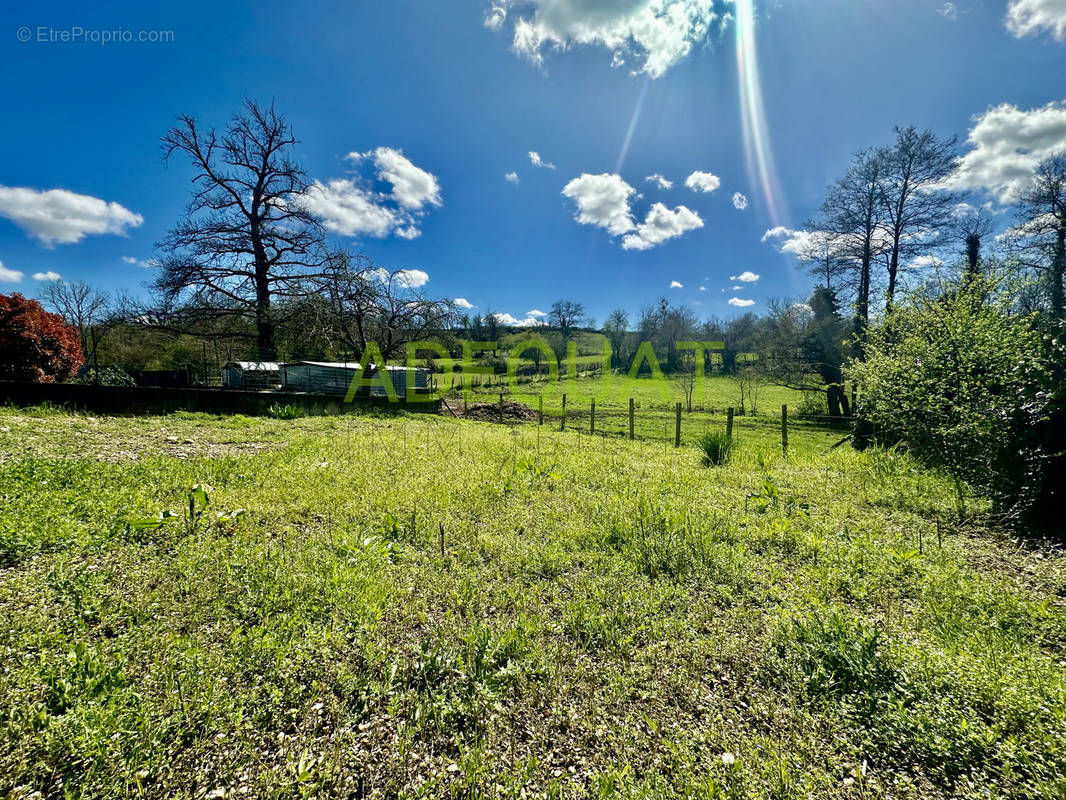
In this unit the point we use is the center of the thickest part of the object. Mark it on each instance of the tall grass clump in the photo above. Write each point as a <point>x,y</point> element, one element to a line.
<point>289,411</point>
<point>717,447</point>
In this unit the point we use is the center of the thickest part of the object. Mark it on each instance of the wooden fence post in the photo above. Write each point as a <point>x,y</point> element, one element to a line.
<point>562,419</point>
<point>677,426</point>
<point>592,417</point>
<point>630,418</point>
<point>784,429</point>
<point>729,422</point>
<point>540,409</point>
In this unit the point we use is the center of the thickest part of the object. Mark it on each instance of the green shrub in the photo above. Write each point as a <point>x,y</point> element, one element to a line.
<point>717,447</point>
<point>961,382</point>
<point>290,411</point>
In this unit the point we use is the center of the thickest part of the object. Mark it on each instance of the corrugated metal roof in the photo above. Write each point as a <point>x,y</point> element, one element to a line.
<point>344,365</point>
<point>255,366</point>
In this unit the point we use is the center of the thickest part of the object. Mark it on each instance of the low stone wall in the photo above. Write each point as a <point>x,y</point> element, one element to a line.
<point>159,400</point>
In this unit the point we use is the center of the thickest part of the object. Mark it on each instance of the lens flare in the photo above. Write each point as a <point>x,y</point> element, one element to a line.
<point>632,127</point>
<point>760,158</point>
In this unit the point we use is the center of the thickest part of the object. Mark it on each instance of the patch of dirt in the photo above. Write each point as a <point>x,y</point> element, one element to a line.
<point>508,411</point>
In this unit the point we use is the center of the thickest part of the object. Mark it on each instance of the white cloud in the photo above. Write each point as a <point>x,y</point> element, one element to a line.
<point>659,181</point>
<point>496,16</point>
<point>735,288</point>
<point>514,322</point>
<point>676,285</point>
<point>462,302</point>
<point>537,161</point>
<point>129,259</point>
<point>350,210</point>
<point>740,202</point>
<point>949,11</point>
<point>412,187</point>
<point>411,278</point>
<point>805,244</point>
<point>1006,145</point>
<point>512,177</point>
<point>703,288</point>
<point>350,207</point>
<point>661,224</point>
<point>737,302</point>
<point>926,261</point>
<point>9,275</point>
<point>58,216</point>
<point>47,276</point>
<point>657,33</point>
<point>536,312</point>
<point>747,276</point>
<point>702,181</point>
<point>1029,17</point>
<point>603,201</point>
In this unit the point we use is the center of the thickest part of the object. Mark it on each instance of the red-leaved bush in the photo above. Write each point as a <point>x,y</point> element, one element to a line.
<point>36,345</point>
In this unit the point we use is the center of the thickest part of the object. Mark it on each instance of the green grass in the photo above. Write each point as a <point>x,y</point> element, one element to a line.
<point>602,618</point>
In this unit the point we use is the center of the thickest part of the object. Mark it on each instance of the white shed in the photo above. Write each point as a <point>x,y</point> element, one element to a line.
<point>334,377</point>
<point>251,375</point>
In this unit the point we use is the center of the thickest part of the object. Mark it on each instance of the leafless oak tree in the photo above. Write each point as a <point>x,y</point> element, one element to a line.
<point>246,241</point>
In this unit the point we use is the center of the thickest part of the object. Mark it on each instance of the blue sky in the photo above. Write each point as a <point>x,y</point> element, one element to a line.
<point>466,102</point>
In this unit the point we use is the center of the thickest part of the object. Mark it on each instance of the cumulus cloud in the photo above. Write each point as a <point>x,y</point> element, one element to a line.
<point>656,34</point>
<point>462,302</point>
<point>537,161</point>
<point>412,278</point>
<point>747,276</point>
<point>702,181</point>
<point>412,187</point>
<point>659,181</point>
<point>514,322</point>
<point>353,207</point>
<point>676,285</point>
<point>536,312</point>
<point>740,202</point>
<point>9,275</point>
<point>58,216</point>
<point>603,201</point>
<point>129,259</point>
<point>1029,17</point>
<point>703,288</point>
<point>348,209</point>
<point>739,303</point>
<point>512,177</point>
<point>47,276</point>
<point>661,224</point>
<point>1006,145</point>
<point>949,11</point>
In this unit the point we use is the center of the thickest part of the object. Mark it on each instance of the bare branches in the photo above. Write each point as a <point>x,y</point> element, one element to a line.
<point>246,238</point>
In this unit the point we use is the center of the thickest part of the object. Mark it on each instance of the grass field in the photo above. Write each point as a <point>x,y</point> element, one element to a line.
<point>414,606</point>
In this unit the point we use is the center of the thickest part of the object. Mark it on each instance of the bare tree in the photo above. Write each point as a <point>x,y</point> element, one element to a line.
<point>686,377</point>
<point>1041,229</point>
<point>90,310</point>
<point>916,209</point>
<point>364,303</point>
<point>854,216</point>
<point>565,314</point>
<point>615,329</point>
<point>246,240</point>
